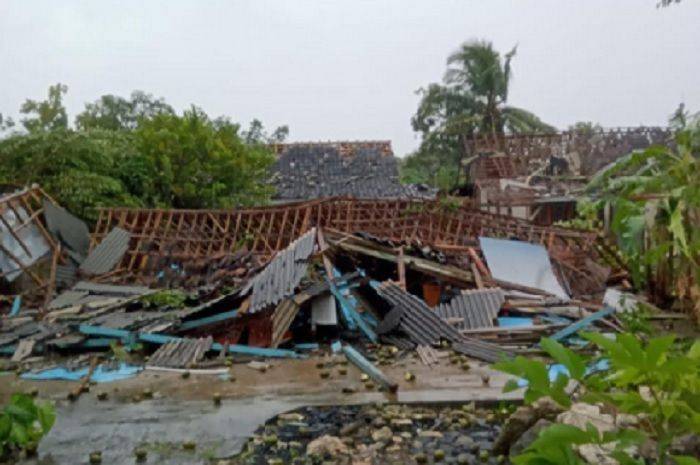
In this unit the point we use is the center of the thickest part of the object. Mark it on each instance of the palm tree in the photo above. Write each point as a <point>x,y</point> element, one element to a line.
<point>477,69</point>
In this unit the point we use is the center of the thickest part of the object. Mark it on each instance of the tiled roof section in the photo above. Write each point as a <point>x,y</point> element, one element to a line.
<point>332,169</point>
<point>344,148</point>
<point>107,254</point>
<point>477,307</point>
<point>282,275</point>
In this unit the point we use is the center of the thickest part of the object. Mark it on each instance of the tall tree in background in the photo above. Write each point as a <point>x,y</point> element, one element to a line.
<point>201,163</point>
<point>46,115</point>
<point>472,100</point>
<point>117,113</point>
<point>136,151</point>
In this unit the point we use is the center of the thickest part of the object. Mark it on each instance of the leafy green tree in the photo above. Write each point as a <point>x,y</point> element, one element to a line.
<point>6,123</point>
<point>117,113</point>
<point>472,100</point>
<point>256,134</point>
<point>655,199</point>
<point>136,152</point>
<point>478,69</point>
<point>46,115</point>
<point>81,169</point>
<point>585,127</point>
<point>201,163</point>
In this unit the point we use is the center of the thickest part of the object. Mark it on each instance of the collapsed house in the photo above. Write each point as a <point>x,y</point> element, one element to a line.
<point>539,177</point>
<point>270,281</point>
<point>362,169</point>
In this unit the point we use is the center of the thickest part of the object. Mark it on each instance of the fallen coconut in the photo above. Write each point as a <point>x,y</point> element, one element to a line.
<point>141,454</point>
<point>189,445</point>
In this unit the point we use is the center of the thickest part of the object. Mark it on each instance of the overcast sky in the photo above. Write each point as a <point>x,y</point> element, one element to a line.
<point>349,69</point>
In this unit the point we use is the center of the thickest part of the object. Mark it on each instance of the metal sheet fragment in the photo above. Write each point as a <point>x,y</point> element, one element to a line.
<point>107,254</point>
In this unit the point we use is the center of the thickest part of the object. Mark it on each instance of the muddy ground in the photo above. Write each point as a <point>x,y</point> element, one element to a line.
<point>288,377</point>
<point>164,411</point>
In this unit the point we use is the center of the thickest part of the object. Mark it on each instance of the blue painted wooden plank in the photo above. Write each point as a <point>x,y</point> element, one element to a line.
<point>306,346</point>
<point>350,309</point>
<point>8,350</point>
<point>336,347</point>
<point>582,323</point>
<point>96,342</point>
<point>347,315</point>
<point>365,365</point>
<point>208,320</point>
<point>16,305</point>
<point>91,330</point>
<point>257,351</point>
<point>370,319</point>
<point>153,338</point>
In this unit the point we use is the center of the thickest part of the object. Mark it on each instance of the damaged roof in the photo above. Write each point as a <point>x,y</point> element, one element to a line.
<point>347,169</point>
<point>282,275</point>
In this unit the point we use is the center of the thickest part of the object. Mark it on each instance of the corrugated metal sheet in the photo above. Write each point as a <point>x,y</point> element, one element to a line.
<point>397,341</point>
<point>424,327</point>
<point>418,321</point>
<point>71,231</point>
<point>28,239</point>
<point>108,253</point>
<point>521,263</point>
<point>282,275</point>
<point>182,353</point>
<point>66,299</point>
<point>66,275</point>
<point>110,289</point>
<point>478,308</point>
<point>127,320</point>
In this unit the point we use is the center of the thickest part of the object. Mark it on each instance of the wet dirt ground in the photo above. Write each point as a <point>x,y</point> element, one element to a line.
<point>182,410</point>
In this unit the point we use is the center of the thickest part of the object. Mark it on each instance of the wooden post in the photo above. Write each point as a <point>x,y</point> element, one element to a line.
<point>401,269</point>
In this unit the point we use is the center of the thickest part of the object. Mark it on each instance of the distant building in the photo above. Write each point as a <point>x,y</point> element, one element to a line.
<point>359,169</point>
<point>540,176</point>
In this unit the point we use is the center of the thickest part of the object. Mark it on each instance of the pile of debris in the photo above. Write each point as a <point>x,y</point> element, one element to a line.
<point>271,282</point>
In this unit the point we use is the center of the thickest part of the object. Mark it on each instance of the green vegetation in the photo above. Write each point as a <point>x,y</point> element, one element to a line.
<point>471,101</point>
<point>23,422</point>
<point>136,152</point>
<point>654,196</point>
<point>173,298</point>
<point>657,380</point>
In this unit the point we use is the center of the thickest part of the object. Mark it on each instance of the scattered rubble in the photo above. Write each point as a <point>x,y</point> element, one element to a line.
<point>191,289</point>
<point>377,434</point>
<point>367,282</point>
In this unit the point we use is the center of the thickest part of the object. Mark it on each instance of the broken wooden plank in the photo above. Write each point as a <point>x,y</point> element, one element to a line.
<point>23,350</point>
<point>445,272</point>
<point>366,366</point>
<point>579,325</point>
